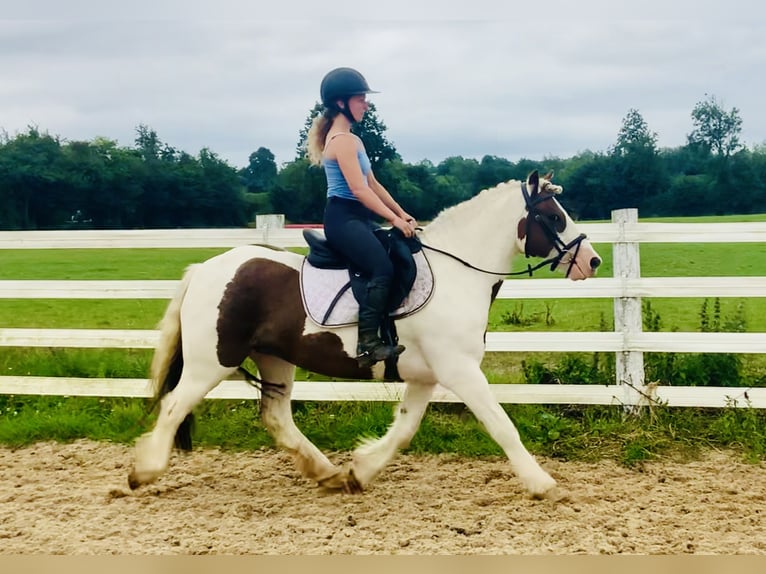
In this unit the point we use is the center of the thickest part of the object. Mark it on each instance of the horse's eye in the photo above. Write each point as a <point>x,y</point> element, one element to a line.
<point>554,218</point>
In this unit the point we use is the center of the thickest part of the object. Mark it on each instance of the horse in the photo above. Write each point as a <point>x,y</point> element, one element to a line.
<point>246,302</point>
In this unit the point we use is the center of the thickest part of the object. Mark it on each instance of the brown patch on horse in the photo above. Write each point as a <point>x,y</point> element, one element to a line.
<point>538,243</point>
<point>261,310</point>
<point>493,296</point>
<point>495,290</point>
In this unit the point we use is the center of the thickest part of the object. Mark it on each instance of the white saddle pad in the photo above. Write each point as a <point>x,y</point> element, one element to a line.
<point>319,287</point>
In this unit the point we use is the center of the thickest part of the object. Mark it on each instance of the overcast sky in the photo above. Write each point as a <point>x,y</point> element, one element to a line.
<point>456,78</point>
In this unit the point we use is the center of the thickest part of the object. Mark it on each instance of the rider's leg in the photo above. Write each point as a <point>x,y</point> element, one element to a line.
<point>372,309</point>
<point>350,231</point>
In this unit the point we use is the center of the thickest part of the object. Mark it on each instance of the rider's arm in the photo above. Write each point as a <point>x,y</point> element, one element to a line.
<point>345,152</point>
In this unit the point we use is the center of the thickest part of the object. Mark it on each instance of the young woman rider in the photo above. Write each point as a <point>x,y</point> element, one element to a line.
<point>355,199</point>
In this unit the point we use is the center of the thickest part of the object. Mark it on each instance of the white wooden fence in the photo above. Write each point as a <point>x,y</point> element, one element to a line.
<point>626,288</point>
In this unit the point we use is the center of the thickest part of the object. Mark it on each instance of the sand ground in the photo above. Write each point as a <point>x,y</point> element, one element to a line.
<point>73,499</point>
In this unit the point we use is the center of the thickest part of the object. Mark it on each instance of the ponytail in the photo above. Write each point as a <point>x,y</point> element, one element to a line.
<point>317,136</point>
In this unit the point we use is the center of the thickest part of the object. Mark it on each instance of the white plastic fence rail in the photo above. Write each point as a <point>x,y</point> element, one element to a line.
<point>625,288</point>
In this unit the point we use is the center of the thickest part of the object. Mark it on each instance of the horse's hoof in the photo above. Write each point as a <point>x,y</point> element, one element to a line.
<point>344,481</point>
<point>135,480</point>
<point>351,485</point>
<point>556,494</point>
<point>541,487</point>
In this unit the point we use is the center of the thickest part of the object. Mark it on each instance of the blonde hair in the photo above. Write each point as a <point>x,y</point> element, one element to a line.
<point>317,136</point>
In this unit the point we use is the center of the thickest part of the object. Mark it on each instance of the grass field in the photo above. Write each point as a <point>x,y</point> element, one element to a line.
<point>559,431</point>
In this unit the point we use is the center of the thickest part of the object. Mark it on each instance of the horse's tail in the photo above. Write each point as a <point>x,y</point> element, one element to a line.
<point>168,361</point>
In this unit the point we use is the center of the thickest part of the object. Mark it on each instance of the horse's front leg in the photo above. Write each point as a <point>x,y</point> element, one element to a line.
<point>463,376</point>
<point>374,454</point>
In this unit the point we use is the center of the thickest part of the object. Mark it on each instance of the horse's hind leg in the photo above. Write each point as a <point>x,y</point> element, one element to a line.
<point>373,455</point>
<point>276,414</point>
<point>152,450</point>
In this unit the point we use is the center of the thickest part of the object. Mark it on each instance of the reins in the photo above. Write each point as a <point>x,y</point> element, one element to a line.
<point>529,269</point>
<point>561,247</point>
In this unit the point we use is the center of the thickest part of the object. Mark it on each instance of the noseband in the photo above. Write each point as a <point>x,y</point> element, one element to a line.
<point>553,235</point>
<point>550,231</point>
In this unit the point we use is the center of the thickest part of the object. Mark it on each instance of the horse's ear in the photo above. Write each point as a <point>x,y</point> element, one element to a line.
<point>533,182</point>
<point>549,176</point>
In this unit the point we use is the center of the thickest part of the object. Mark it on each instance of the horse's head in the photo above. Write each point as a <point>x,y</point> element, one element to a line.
<point>547,231</point>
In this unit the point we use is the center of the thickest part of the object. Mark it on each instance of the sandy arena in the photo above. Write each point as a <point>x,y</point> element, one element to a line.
<point>73,499</point>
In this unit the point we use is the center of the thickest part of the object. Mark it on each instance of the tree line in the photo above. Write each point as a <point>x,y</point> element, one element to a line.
<point>47,183</point>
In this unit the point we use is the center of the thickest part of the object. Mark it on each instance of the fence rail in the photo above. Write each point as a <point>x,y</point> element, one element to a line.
<point>626,288</point>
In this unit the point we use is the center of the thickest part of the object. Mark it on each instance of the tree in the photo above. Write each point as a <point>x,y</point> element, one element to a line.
<point>634,136</point>
<point>715,129</point>
<point>32,182</point>
<point>460,175</point>
<point>587,188</point>
<point>716,132</point>
<point>412,186</point>
<point>260,175</point>
<point>222,196</point>
<point>147,142</point>
<point>300,192</point>
<point>634,162</point>
<point>493,170</point>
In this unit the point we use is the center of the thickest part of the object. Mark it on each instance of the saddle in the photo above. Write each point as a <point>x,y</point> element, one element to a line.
<point>331,289</point>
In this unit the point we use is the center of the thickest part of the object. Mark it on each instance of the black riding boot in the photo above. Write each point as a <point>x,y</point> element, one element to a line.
<point>371,348</point>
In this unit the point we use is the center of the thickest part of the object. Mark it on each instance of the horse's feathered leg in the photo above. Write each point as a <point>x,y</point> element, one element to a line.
<point>152,451</point>
<point>374,454</point>
<point>465,379</point>
<point>277,417</point>
<point>184,369</point>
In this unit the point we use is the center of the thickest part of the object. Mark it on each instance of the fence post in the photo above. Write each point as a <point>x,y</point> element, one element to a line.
<point>268,221</point>
<point>629,366</point>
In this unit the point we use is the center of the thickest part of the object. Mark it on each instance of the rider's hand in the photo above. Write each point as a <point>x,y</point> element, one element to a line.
<point>409,219</point>
<point>406,227</point>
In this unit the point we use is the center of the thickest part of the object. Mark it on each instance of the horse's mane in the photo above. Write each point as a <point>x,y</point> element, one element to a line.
<point>470,209</point>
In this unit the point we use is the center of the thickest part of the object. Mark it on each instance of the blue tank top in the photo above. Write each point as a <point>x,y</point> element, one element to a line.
<point>336,183</point>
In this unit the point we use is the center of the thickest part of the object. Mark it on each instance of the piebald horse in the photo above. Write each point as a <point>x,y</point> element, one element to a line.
<point>246,302</point>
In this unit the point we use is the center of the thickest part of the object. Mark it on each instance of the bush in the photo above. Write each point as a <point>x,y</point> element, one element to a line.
<point>697,369</point>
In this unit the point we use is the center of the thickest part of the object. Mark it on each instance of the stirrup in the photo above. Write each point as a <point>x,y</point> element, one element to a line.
<point>381,352</point>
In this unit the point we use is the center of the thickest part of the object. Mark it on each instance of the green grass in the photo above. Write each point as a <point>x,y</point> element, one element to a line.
<point>90,264</point>
<point>588,433</point>
<point>567,432</point>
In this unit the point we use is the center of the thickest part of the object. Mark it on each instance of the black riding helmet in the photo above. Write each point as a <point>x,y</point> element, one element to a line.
<point>341,84</point>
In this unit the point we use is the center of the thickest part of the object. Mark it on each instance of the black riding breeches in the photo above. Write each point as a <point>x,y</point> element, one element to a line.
<point>350,230</point>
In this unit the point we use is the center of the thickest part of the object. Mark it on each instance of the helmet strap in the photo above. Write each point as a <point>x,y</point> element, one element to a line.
<point>346,111</point>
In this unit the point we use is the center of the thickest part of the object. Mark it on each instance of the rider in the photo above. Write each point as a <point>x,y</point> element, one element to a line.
<point>354,199</point>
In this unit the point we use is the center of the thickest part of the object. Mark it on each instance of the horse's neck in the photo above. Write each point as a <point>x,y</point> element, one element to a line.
<point>481,230</point>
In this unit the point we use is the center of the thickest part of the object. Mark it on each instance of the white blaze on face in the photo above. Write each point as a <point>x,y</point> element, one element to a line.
<point>583,266</point>
<point>586,258</point>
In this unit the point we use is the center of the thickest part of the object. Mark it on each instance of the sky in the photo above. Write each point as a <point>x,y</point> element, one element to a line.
<point>533,80</point>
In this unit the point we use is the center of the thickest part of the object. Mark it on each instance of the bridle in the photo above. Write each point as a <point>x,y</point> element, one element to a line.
<point>562,248</point>
<point>535,213</point>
